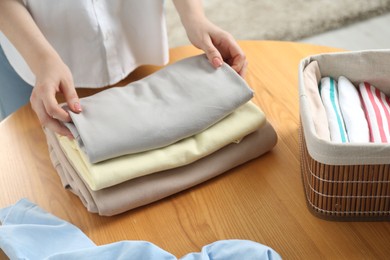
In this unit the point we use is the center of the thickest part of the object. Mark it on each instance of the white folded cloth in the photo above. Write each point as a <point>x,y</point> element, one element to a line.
<point>352,111</point>
<point>329,97</point>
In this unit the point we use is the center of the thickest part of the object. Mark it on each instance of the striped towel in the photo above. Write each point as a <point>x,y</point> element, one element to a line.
<point>352,110</point>
<point>329,97</point>
<point>376,106</point>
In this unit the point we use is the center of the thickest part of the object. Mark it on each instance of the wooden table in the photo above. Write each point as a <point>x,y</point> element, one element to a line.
<point>262,200</point>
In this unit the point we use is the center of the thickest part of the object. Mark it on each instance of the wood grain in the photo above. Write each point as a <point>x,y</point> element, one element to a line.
<point>262,200</point>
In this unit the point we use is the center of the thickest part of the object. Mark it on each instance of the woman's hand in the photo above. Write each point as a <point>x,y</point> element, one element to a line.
<point>218,44</point>
<point>52,77</point>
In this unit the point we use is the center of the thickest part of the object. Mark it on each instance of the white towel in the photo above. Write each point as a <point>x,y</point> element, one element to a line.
<point>329,97</point>
<point>376,106</point>
<point>352,111</point>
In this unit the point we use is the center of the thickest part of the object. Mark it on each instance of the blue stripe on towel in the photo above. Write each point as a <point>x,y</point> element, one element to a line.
<point>340,121</point>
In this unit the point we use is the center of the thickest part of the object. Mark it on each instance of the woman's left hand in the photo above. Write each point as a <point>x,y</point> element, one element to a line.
<point>219,45</point>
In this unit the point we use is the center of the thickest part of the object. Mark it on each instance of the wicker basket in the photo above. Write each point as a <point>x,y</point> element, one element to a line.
<point>345,182</point>
<point>345,192</point>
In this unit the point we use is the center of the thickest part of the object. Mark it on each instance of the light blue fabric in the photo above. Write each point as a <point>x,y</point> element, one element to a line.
<point>14,91</point>
<point>28,232</point>
<point>234,249</point>
<point>140,250</point>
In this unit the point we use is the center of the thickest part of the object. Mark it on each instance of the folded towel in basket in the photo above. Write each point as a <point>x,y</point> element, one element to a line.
<point>312,77</point>
<point>176,102</point>
<point>352,111</point>
<point>147,189</point>
<point>243,121</point>
<point>329,96</point>
<point>376,106</point>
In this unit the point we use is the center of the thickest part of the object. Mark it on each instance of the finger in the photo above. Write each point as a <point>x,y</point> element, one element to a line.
<point>44,102</point>
<point>243,70</point>
<point>238,59</point>
<point>213,55</point>
<point>57,127</point>
<point>71,97</point>
<point>53,110</point>
<point>47,121</point>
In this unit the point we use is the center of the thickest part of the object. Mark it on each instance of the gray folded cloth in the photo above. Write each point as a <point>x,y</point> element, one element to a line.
<point>176,102</point>
<point>150,188</point>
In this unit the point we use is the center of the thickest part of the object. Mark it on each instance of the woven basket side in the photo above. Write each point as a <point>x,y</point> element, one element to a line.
<point>345,192</point>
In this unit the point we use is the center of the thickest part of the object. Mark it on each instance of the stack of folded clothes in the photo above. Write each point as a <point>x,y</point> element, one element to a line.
<point>174,129</point>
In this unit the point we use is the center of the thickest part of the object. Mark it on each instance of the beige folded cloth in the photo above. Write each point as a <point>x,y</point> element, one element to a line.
<point>312,77</point>
<point>243,121</point>
<point>150,188</point>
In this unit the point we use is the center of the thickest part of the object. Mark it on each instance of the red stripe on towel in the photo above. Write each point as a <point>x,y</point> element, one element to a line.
<point>376,110</point>
<point>383,102</point>
<point>365,109</point>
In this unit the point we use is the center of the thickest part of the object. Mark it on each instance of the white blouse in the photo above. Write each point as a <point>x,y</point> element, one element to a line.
<point>101,41</point>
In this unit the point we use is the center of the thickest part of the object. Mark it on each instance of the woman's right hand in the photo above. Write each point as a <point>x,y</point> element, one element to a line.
<point>52,77</point>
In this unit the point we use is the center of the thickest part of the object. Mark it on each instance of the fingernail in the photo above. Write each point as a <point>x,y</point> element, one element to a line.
<point>77,107</point>
<point>217,62</point>
<point>70,137</point>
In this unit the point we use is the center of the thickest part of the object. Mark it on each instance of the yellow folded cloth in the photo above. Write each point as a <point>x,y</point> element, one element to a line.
<point>243,121</point>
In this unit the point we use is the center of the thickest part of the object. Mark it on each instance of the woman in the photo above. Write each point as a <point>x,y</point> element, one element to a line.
<point>56,46</point>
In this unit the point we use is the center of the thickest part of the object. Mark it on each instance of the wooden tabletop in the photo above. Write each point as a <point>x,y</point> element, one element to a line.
<point>262,200</point>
